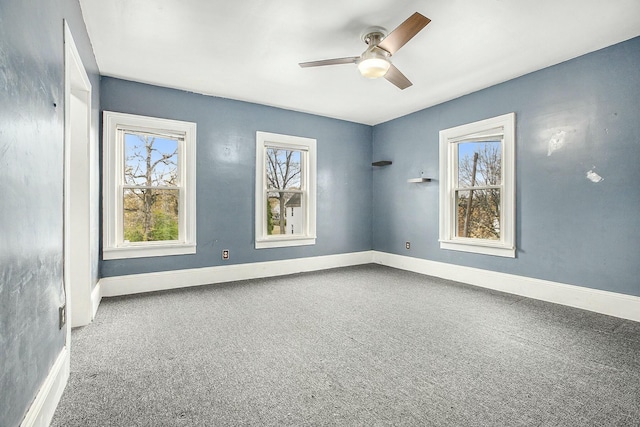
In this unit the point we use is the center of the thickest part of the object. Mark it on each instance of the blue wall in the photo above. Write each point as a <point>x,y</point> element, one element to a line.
<point>569,229</point>
<point>226,175</point>
<point>31,184</point>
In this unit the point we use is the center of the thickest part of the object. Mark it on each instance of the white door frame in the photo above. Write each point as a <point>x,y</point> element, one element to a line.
<point>77,187</point>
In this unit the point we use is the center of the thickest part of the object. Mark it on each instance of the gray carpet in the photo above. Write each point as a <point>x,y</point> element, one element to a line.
<point>365,346</point>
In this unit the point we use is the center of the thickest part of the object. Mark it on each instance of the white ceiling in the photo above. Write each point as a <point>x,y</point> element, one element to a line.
<point>250,49</point>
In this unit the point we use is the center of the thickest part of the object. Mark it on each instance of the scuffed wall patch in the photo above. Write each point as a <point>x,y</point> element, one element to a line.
<point>565,128</point>
<point>556,142</point>
<point>593,176</point>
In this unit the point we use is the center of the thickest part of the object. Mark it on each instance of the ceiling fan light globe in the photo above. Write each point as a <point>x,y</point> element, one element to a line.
<point>373,68</point>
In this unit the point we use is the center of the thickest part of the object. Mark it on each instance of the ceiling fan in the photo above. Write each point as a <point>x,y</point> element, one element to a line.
<point>374,62</point>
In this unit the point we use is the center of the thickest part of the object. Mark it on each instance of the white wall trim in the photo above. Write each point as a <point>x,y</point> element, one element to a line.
<point>44,406</point>
<point>136,283</point>
<point>308,177</point>
<point>78,170</point>
<point>610,303</point>
<point>500,128</point>
<point>114,244</point>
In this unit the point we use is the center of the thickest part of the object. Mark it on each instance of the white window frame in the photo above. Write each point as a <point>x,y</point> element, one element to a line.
<point>308,148</point>
<point>114,246</point>
<point>503,127</point>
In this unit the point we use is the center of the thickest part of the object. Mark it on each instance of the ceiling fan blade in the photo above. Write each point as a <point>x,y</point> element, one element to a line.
<point>335,61</point>
<point>405,32</point>
<point>397,78</point>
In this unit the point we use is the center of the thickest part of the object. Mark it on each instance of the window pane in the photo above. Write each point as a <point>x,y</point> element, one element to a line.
<point>150,215</point>
<point>479,163</point>
<point>478,214</point>
<point>283,168</point>
<point>284,213</point>
<point>150,160</point>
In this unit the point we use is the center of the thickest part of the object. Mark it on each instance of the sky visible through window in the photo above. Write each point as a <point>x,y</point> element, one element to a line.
<point>490,157</point>
<point>136,159</point>
<point>468,148</point>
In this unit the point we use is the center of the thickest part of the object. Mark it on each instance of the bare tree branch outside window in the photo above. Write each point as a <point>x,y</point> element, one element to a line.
<point>283,169</point>
<point>151,192</point>
<point>478,195</point>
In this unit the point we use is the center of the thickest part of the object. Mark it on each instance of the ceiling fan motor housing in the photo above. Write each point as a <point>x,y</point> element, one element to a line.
<point>374,62</point>
<point>373,34</point>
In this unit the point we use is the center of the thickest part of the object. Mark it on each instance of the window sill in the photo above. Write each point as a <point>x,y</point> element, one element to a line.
<point>479,248</point>
<point>283,242</point>
<point>148,251</point>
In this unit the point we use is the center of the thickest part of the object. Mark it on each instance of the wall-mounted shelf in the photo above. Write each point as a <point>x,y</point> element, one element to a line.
<point>421,179</point>
<point>381,163</point>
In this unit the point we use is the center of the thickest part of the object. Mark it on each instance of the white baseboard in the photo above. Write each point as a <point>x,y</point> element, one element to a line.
<point>44,406</point>
<point>137,283</point>
<point>610,303</point>
<point>96,297</point>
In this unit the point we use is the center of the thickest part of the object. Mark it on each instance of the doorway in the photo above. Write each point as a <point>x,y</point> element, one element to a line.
<point>77,188</point>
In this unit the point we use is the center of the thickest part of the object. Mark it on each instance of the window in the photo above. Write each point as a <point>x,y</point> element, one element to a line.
<point>285,190</point>
<point>149,186</point>
<point>477,187</point>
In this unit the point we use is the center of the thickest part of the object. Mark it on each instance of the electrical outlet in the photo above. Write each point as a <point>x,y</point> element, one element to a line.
<point>62,316</point>
<point>407,245</point>
<point>225,254</point>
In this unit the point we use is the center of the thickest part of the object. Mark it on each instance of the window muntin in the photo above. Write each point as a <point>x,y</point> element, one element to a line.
<point>149,186</point>
<point>477,187</point>
<point>285,190</point>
